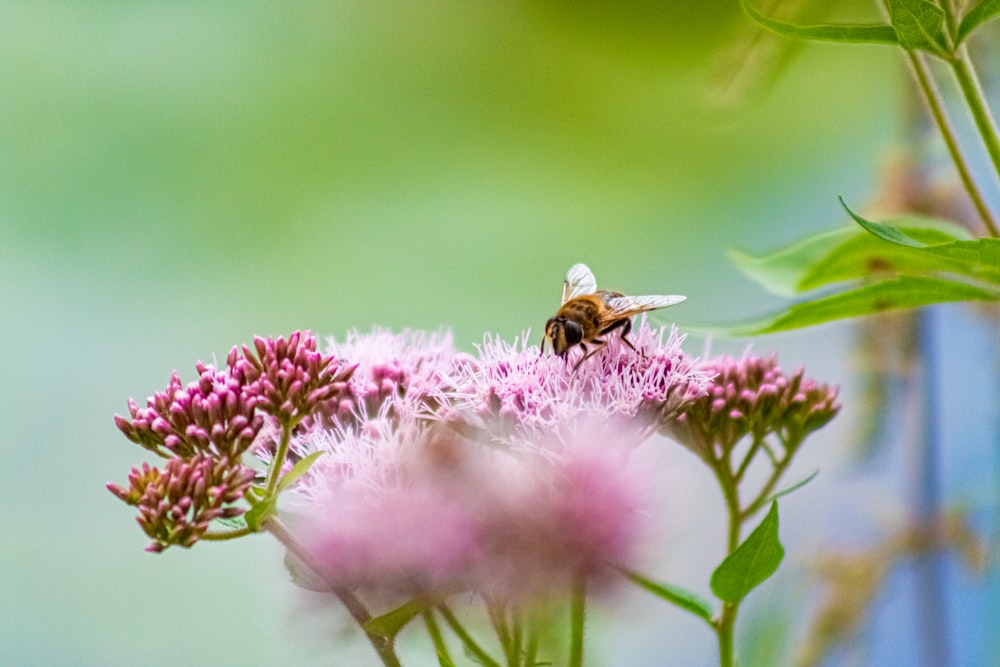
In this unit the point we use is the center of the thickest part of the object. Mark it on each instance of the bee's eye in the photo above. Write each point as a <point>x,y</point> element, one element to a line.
<point>573,332</point>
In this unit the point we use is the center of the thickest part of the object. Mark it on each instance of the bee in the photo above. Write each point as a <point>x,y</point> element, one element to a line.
<point>587,314</point>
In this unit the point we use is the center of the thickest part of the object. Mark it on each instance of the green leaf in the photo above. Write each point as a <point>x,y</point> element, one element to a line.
<point>752,563</point>
<point>781,271</point>
<point>919,24</point>
<point>978,15</point>
<point>979,258</point>
<point>794,487</point>
<point>877,33</point>
<point>674,594</point>
<point>300,468</point>
<point>261,511</point>
<point>901,292</point>
<point>233,523</point>
<point>390,623</point>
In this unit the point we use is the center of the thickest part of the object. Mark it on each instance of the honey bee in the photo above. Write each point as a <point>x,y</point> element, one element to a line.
<point>587,314</point>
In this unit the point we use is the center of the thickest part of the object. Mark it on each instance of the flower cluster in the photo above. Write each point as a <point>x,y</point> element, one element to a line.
<point>752,397</point>
<point>214,414</point>
<point>519,399</point>
<point>176,505</point>
<point>290,378</point>
<point>205,427</point>
<point>505,472</point>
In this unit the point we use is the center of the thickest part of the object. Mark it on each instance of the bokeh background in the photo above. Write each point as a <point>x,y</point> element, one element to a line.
<point>177,177</point>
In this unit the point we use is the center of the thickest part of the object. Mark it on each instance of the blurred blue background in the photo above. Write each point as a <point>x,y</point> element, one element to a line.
<point>177,177</point>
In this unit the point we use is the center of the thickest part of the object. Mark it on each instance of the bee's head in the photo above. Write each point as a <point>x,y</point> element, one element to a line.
<point>563,333</point>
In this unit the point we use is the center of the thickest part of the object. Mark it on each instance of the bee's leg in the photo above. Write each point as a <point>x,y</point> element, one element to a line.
<point>626,327</point>
<point>598,346</point>
<point>541,352</point>
<point>626,330</point>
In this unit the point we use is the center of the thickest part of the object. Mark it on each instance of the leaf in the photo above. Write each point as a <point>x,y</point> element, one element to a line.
<point>794,487</point>
<point>261,511</point>
<point>674,594</point>
<point>978,15</point>
<point>919,25</point>
<point>901,292</point>
<point>300,468</point>
<point>781,271</point>
<point>752,563</point>
<point>979,258</point>
<point>390,623</point>
<point>877,33</point>
<point>233,523</point>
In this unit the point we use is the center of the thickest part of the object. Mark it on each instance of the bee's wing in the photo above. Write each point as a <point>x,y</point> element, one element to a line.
<point>621,306</point>
<point>579,280</point>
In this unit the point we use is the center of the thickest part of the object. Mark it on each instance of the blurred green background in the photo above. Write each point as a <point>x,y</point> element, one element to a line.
<point>176,177</point>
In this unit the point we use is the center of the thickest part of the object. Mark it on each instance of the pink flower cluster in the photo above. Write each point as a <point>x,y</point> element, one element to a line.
<point>753,397</point>
<point>504,472</point>
<point>205,427</point>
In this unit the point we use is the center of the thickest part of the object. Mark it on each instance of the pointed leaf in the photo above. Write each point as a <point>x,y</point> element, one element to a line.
<point>752,563</point>
<point>794,487</point>
<point>978,15</point>
<point>300,468</point>
<point>919,24</point>
<point>390,623</point>
<point>979,258</point>
<point>882,34</point>
<point>684,599</point>
<point>901,292</point>
<point>260,512</point>
<point>781,271</point>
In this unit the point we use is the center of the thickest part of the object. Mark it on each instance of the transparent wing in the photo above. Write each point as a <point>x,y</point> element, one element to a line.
<point>630,305</point>
<point>579,280</point>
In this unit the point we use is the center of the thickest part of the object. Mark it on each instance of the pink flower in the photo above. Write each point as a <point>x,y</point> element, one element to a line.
<point>176,505</point>
<point>519,398</point>
<point>215,413</point>
<point>752,396</point>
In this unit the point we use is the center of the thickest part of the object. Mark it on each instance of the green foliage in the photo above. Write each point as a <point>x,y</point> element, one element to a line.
<point>262,507</point>
<point>300,468</point>
<point>390,623</point>
<point>885,266</point>
<point>752,563</point>
<point>880,34</point>
<point>794,487</point>
<point>919,24</point>
<point>676,595</point>
<point>978,15</point>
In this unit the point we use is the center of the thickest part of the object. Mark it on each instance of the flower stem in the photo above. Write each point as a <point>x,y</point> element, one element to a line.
<point>725,631</point>
<point>382,644</point>
<point>934,103</point>
<point>227,535</point>
<point>976,101</point>
<point>434,630</point>
<point>274,471</point>
<point>463,634</point>
<point>578,608</point>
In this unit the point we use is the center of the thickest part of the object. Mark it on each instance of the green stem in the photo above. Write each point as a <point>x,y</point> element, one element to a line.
<point>578,608</point>
<point>274,471</point>
<point>726,624</point>
<point>434,630</point>
<point>936,106</point>
<point>382,645</point>
<point>976,101</point>
<point>765,492</point>
<point>470,643</point>
<point>227,535</point>
<point>725,631</point>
